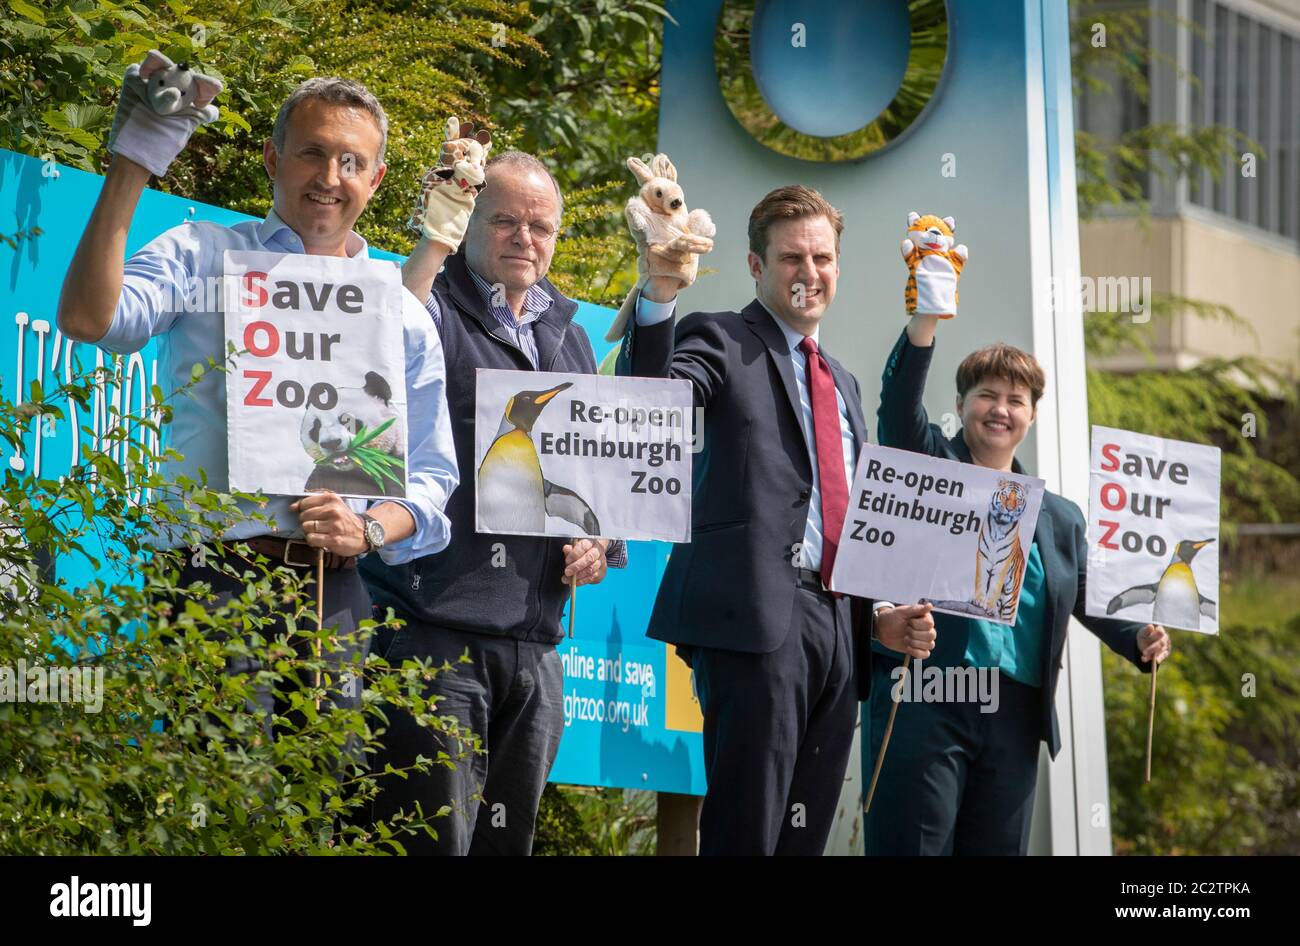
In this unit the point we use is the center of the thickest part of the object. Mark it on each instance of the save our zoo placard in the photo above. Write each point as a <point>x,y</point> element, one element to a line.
<point>582,454</point>
<point>316,397</point>
<point>1153,530</point>
<point>919,528</point>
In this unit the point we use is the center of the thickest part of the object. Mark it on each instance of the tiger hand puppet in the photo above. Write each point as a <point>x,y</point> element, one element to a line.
<point>934,265</point>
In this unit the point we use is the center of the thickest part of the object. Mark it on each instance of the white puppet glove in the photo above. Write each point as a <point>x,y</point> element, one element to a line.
<point>934,265</point>
<point>448,191</point>
<point>161,104</point>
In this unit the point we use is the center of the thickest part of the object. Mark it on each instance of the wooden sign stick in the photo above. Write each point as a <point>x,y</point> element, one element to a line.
<point>884,743</point>
<point>320,611</point>
<point>573,601</point>
<point>1151,716</point>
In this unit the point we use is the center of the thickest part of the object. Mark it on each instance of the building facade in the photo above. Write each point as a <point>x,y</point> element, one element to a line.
<point>1234,240</point>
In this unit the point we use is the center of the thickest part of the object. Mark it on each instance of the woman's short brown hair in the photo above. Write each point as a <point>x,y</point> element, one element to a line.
<point>1002,361</point>
<point>792,202</point>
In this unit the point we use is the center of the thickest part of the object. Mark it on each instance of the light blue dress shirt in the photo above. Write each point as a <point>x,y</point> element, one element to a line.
<point>650,313</point>
<point>188,258</point>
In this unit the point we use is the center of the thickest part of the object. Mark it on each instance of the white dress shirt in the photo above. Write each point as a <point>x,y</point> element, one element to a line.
<point>649,312</point>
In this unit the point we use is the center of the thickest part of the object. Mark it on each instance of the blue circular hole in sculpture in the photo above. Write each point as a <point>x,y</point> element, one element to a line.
<point>835,80</point>
<point>829,68</point>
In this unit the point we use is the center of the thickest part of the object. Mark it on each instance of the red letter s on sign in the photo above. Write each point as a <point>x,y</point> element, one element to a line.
<point>1110,464</point>
<point>254,295</point>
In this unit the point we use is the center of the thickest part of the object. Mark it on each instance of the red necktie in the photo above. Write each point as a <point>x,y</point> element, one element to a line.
<point>830,454</point>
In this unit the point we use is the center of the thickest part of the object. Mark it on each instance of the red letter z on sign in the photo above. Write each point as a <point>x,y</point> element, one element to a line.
<point>1105,541</point>
<point>260,380</point>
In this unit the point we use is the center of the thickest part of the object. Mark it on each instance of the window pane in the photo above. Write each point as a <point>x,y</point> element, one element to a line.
<point>1264,128</point>
<point>1221,51</point>
<point>1242,117</point>
<point>1199,82</point>
<point>1287,163</point>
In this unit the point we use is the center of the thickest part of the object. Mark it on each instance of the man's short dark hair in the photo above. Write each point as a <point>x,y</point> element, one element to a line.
<point>338,91</point>
<point>792,202</point>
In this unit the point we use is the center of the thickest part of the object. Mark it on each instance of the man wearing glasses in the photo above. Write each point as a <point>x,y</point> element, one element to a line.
<point>496,597</point>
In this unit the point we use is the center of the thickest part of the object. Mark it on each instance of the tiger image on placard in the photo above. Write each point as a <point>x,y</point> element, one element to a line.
<point>999,559</point>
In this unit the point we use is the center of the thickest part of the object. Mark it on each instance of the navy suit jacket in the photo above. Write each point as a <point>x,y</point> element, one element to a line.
<point>1061,537</point>
<point>733,587</point>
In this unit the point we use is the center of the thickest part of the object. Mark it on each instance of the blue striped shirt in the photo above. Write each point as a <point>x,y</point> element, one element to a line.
<point>536,301</point>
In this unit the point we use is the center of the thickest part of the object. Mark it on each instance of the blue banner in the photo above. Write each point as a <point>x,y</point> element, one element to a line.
<point>631,719</point>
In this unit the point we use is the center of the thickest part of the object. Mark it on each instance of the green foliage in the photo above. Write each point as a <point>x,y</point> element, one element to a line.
<point>1226,774</point>
<point>584,92</point>
<point>167,753</point>
<point>1225,763</point>
<point>596,821</point>
<point>482,60</point>
<point>63,62</point>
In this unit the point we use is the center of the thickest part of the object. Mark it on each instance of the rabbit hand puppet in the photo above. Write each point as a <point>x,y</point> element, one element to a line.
<point>669,238</point>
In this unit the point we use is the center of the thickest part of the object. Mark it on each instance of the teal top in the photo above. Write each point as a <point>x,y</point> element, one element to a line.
<point>1016,651</point>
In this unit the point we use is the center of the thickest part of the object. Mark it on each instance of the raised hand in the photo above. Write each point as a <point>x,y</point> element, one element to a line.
<point>669,238</point>
<point>161,104</point>
<point>448,191</point>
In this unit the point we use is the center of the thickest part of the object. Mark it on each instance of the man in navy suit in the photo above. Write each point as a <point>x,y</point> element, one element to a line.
<point>958,779</point>
<point>746,602</point>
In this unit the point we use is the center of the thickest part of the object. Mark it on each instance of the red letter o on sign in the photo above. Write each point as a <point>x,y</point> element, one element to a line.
<point>272,339</point>
<point>1117,489</point>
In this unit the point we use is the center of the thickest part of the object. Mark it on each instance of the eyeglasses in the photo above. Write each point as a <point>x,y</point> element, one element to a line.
<point>505,225</point>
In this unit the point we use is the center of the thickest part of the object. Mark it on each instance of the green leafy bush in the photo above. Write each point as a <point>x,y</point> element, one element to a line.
<point>158,748</point>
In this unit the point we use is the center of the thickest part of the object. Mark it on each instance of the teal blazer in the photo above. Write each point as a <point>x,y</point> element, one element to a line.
<point>1061,536</point>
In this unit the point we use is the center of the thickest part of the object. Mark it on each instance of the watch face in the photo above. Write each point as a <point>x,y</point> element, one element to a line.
<point>374,533</point>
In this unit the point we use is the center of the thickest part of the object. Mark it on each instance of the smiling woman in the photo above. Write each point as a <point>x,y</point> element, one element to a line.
<point>985,807</point>
<point>998,388</point>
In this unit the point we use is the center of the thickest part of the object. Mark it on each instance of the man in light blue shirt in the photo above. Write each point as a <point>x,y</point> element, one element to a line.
<point>188,258</point>
<point>325,160</point>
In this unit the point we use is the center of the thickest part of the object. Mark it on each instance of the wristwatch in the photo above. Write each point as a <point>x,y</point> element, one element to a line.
<point>373,530</point>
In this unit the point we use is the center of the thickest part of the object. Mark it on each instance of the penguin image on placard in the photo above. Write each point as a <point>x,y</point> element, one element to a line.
<point>1178,602</point>
<point>513,493</point>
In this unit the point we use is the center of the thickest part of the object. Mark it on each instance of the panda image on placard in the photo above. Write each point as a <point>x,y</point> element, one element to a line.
<point>358,445</point>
